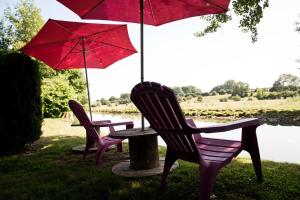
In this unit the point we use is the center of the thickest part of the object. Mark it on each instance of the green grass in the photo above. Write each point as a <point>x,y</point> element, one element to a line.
<point>49,170</point>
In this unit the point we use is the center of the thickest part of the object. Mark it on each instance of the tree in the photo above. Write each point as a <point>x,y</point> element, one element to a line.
<point>191,90</point>
<point>249,12</point>
<point>178,91</point>
<point>241,89</point>
<point>23,23</point>
<point>286,82</point>
<point>226,87</point>
<point>103,101</point>
<point>18,26</point>
<point>124,98</point>
<point>232,87</point>
<point>56,94</point>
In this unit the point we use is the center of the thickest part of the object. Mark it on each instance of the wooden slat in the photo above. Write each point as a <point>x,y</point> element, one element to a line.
<point>219,142</point>
<point>216,154</point>
<point>211,158</point>
<point>217,148</point>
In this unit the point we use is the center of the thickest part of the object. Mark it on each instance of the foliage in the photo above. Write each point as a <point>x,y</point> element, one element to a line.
<point>5,36</point>
<point>77,83</point>
<point>18,27</point>
<point>249,12</point>
<point>277,95</point>
<point>56,94</point>
<point>186,91</point>
<point>232,87</point>
<point>241,89</point>
<point>223,99</point>
<point>21,114</point>
<point>235,98</point>
<point>286,82</point>
<point>103,101</point>
<point>260,93</point>
<point>21,24</point>
<point>199,98</point>
<point>124,98</point>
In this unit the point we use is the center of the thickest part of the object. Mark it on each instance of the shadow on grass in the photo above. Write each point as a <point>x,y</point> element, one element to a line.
<point>49,170</point>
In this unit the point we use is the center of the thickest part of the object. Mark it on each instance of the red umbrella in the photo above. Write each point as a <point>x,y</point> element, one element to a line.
<point>73,45</point>
<point>156,12</point>
<point>152,12</point>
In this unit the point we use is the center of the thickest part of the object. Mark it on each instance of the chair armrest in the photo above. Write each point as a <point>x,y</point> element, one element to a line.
<point>101,122</point>
<point>128,123</point>
<point>228,126</point>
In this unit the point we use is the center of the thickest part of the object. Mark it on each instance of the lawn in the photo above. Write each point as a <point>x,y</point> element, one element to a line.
<point>49,170</point>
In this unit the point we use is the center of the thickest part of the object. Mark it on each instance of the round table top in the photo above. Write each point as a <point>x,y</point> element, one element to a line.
<point>133,132</point>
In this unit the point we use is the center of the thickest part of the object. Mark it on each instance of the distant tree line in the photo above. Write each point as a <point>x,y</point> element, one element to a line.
<point>287,85</point>
<point>124,99</point>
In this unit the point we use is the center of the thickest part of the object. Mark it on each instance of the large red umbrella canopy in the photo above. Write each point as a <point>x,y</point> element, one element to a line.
<point>73,45</point>
<point>152,12</point>
<point>156,12</point>
<point>62,44</point>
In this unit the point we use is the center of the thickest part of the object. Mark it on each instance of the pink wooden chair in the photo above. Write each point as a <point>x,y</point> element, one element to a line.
<point>160,107</point>
<point>93,131</point>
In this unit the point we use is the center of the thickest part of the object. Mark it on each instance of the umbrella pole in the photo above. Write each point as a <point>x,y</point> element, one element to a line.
<point>142,48</point>
<point>86,77</point>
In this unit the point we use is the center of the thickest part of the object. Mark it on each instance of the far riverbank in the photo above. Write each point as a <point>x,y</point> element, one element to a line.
<point>284,112</point>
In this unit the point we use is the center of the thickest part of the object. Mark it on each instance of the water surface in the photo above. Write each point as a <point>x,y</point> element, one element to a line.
<point>276,143</point>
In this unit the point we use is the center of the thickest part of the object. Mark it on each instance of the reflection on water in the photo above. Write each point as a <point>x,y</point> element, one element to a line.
<point>276,143</point>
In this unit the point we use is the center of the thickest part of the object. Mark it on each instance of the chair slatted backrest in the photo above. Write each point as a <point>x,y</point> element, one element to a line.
<point>84,120</point>
<point>160,107</point>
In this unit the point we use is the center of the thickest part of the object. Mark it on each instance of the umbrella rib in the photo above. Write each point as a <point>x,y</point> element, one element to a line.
<point>91,10</point>
<point>108,44</point>
<point>65,28</point>
<point>56,67</point>
<point>105,31</point>
<point>152,12</point>
<point>216,5</point>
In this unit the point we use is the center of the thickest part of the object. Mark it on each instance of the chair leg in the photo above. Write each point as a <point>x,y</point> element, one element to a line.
<point>169,161</point>
<point>249,141</point>
<point>255,157</point>
<point>88,145</point>
<point>119,147</point>
<point>207,178</point>
<point>100,153</point>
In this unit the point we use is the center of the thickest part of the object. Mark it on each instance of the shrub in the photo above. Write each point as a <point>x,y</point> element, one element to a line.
<point>199,98</point>
<point>224,99</point>
<point>235,98</point>
<point>56,95</point>
<point>21,113</point>
<point>214,93</point>
<point>205,94</point>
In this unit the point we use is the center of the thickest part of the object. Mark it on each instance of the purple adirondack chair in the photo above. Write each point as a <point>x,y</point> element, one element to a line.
<point>92,135</point>
<point>160,107</point>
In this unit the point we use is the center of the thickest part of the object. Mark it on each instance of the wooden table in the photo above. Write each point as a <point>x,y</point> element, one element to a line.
<point>143,147</point>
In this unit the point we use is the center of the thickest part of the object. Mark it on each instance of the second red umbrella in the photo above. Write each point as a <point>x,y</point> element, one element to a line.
<point>72,45</point>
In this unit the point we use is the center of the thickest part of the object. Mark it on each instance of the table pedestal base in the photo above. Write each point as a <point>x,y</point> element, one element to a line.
<point>123,169</point>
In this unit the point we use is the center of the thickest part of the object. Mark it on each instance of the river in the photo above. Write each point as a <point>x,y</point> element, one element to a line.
<point>276,143</point>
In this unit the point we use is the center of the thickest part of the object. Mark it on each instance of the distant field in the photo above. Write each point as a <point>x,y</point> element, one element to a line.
<point>278,111</point>
<point>213,103</point>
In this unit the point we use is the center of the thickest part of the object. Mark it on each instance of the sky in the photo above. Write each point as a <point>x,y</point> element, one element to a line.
<point>175,57</point>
